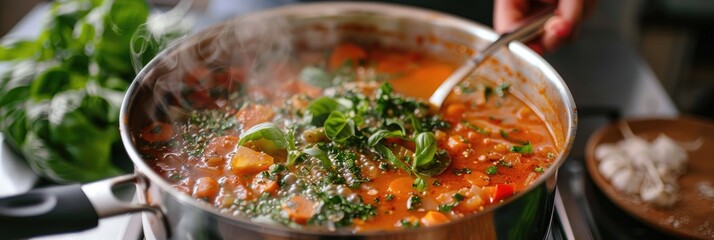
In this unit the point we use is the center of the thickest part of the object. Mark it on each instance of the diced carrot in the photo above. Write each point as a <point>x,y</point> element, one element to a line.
<point>344,52</point>
<point>299,209</point>
<point>206,187</point>
<point>254,114</point>
<point>157,132</point>
<point>478,179</point>
<point>246,161</point>
<point>503,191</point>
<point>221,146</point>
<point>434,218</point>
<point>455,144</point>
<point>264,185</point>
<point>401,186</point>
<point>455,111</point>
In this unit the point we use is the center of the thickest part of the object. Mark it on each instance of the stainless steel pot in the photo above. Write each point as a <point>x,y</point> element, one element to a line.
<point>244,41</point>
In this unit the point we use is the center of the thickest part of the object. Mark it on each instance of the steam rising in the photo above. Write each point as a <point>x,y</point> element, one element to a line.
<point>253,54</point>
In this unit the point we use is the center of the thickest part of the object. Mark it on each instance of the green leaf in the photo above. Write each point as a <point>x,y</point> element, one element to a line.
<point>416,124</point>
<point>320,109</point>
<point>320,155</point>
<point>267,131</point>
<point>425,149</point>
<point>316,77</point>
<point>441,161</point>
<point>419,184</point>
<point>18,50</point>
<point>491,170</point>
<point>381,134</point>
<point>524,149</point>
<point>339,128</point>
<point>389,156</point>
<point>393,124</point>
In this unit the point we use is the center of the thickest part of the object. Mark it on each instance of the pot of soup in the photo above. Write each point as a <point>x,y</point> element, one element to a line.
<point>311,122</point>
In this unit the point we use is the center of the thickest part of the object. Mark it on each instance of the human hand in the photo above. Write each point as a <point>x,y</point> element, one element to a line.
<point>558,29</point>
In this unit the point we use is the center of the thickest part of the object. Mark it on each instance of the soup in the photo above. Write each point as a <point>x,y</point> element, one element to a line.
<point>343,139</point>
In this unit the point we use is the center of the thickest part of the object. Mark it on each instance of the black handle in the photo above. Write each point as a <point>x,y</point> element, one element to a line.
<point>45,211</point>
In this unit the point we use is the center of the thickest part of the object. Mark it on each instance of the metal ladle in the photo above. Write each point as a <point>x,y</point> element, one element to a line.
<point>533,26</point>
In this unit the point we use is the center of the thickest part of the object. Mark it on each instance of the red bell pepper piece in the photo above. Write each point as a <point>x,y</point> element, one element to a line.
<point>503,191</point>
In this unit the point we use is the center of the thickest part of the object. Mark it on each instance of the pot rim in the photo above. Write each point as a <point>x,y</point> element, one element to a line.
<point>327,9</point>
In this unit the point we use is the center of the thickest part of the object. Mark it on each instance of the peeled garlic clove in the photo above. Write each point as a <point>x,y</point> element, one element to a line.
<point>657,194</point>
<point>605,150</point>
<point>627,181</point>
<point>611,165</point>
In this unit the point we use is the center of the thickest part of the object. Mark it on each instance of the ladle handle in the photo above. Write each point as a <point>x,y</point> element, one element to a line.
<point>531,27</point>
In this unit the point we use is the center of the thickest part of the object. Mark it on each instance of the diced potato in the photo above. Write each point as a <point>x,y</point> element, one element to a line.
<point>246,161</point>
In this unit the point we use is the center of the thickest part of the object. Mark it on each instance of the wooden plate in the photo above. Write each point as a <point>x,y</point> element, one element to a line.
<point>693,214</point>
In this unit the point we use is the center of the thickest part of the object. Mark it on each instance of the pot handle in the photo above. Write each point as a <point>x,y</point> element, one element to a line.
<point>67,208</point>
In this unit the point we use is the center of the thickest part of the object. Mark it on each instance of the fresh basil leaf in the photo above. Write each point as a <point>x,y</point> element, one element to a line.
<point>525,149</point>
<point>320,155</point>
<point>267,131</point>
<point>393,124</point>
<point>339,128</point>
<point>416,124</point>
<point>381,134</point>
<point>320,109</point>
<point>389,156</point>
<point>441,161</point>
<point>425,149</point>
<point>316,77</point>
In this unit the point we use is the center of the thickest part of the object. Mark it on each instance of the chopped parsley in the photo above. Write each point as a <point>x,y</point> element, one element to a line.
<point>538,169</point>
<point>414,202</point>
<point>491,170</point>
<point>389,197</point>
<point>505,164</point>
<point>408,223</point>
<point>524,149</point>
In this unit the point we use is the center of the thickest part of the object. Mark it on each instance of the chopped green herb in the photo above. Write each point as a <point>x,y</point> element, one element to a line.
<point>457,196</point>
<point>538,169</point>
<point>414,202</point>
<point>475,128</point>
<point>389,197</point>
<point>419,184</point>
<point>525,149</point>
<point>504,134</point>
<point>550,155</point>
<point>445,208</point>
<point>491,170</point>
<point>461,171</point>
<point>505,164</point>
<point>436,183</point>
<point>406,223</point>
